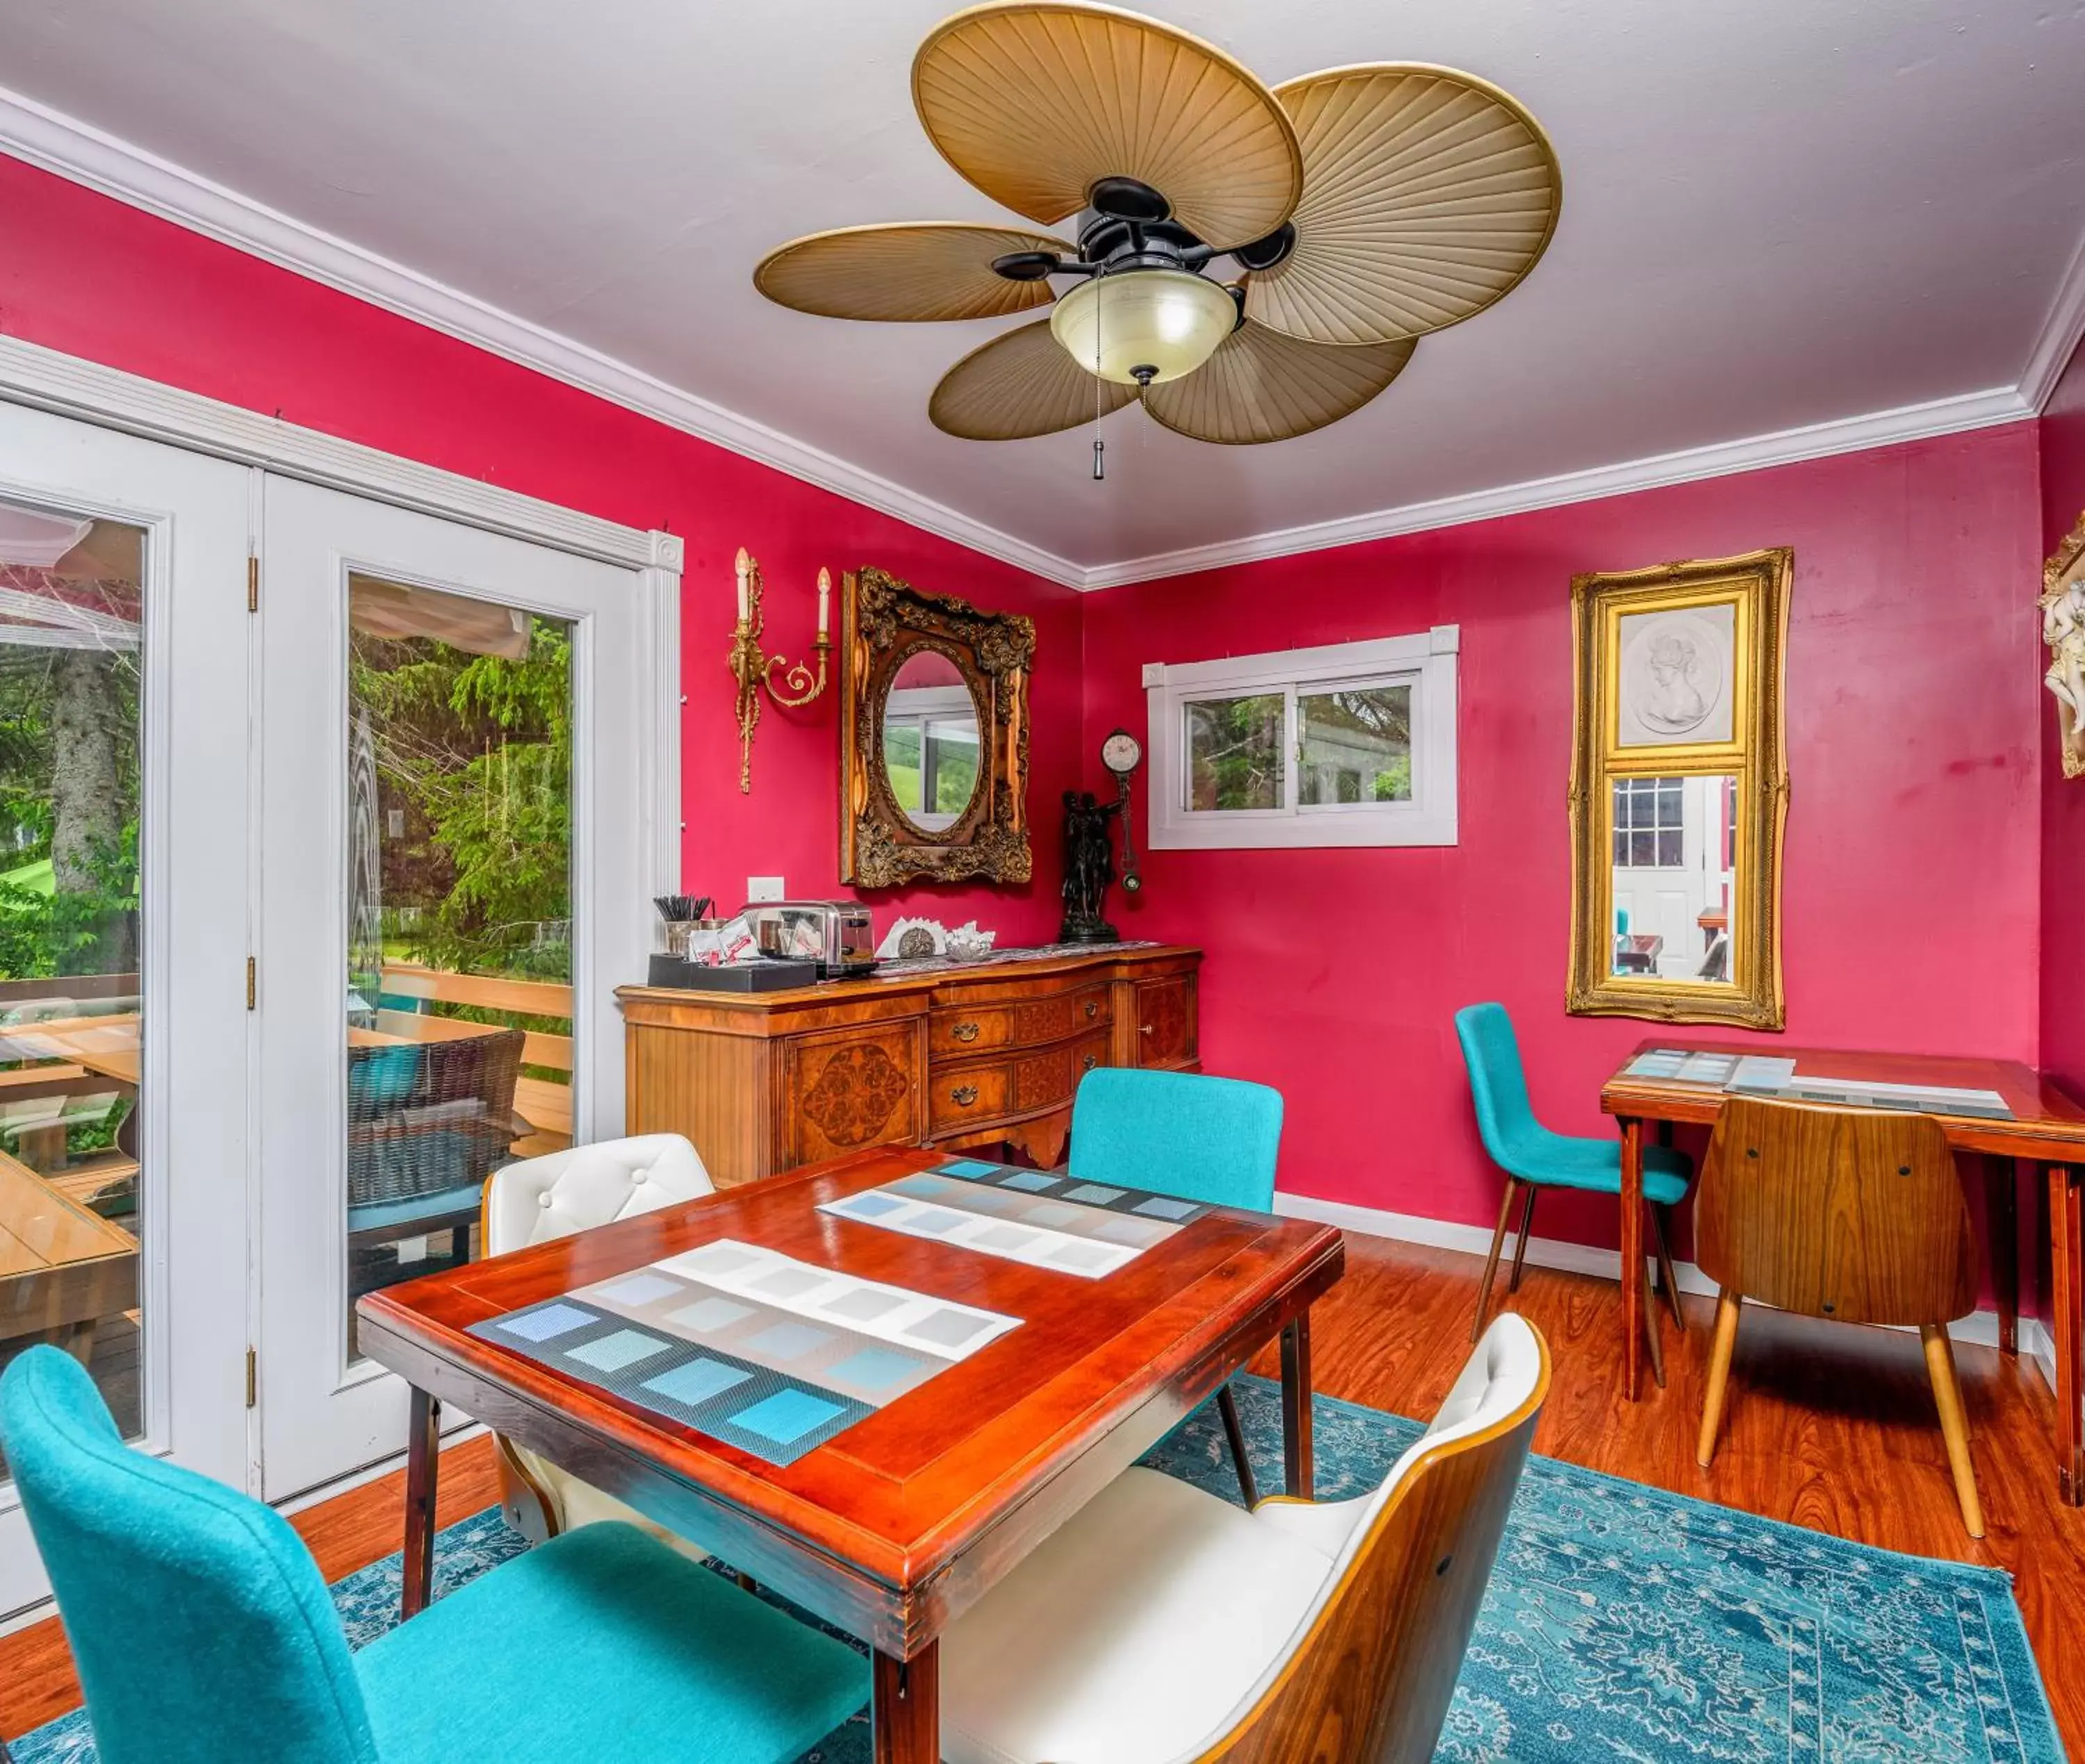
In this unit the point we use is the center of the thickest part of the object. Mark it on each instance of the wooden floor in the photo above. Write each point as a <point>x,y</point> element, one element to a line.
<point>1829,1426</point>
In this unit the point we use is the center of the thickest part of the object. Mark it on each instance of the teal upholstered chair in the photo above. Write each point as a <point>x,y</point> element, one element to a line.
<point>1534,1158</point>
<point>1211,1140</point>
<point>203,1633</point>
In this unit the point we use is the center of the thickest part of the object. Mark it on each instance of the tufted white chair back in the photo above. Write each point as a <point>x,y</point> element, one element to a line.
<point>574,1190</point>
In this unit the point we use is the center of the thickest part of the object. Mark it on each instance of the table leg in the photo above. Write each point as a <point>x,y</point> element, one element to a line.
<point>905,1707</point>
<point>423,1454</point>
<point>2001,1204</point>
<point>1632,1305</point>
<point>2065,1321</point>
<point>1298,1459</point>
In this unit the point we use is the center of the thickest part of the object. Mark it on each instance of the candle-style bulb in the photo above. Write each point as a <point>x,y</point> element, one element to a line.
<point>825,595</point>
<point>745,570</point>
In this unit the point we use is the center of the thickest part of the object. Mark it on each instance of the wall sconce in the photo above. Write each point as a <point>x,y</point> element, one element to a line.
<point>751,667</point>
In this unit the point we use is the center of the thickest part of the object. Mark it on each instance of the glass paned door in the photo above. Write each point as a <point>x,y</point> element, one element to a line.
<point>458,854</point>
<point>123,1038</point>
<point>453,881</point>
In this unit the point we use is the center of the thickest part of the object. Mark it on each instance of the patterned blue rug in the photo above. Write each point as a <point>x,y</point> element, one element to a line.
<point>1623,1623</point>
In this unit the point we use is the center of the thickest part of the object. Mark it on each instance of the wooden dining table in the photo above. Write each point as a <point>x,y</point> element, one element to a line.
<point>895,1526</point>
<point>2042,1139</point>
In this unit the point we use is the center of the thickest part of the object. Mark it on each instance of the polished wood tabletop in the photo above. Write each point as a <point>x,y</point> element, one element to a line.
<point>2045,1136</point>
<point>894,1527</point>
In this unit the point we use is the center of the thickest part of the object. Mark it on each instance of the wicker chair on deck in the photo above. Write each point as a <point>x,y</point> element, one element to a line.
<point>427,1122</point>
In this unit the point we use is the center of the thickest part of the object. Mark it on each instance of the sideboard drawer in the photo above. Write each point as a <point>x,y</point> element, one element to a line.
<point>850,1091</point>
<point>954,1032</point>
<point>961,1094</point>
<point>1164,1022</point>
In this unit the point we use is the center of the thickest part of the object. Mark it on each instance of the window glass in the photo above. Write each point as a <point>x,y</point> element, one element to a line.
<point>1354,745</point>
<point>1234,752</point>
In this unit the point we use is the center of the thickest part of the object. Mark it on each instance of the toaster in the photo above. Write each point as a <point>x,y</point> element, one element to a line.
<point>836,934</point>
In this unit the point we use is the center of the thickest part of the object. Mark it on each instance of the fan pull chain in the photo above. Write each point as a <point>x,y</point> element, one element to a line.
<point>1100,461</point>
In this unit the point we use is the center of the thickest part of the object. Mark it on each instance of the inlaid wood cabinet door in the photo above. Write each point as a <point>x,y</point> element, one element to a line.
<point>1166,1033</point>
<point>844,1091</point>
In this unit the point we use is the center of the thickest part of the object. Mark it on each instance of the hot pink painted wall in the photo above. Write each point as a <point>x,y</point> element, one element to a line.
<point>91,277</point>
<point>2062,800</point>
<point>1910,900</point>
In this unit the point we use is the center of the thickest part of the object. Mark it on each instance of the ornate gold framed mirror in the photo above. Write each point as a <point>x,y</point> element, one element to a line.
<point>1679,791</point>
<point>933,736</point>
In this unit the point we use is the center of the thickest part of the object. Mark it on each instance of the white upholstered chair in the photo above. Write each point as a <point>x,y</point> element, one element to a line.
<point>539,1198</point>
<point>1162,1624</point>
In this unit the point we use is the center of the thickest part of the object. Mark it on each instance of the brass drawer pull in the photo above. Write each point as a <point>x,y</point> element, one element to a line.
<point>1148,1029</point>
<point>963,1095</point>
<point>964,1031</point>
<point>1092,1061</point>
<point>1092,1007</point>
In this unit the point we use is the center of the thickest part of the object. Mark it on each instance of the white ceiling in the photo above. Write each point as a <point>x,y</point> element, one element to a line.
<point>1777,213</point>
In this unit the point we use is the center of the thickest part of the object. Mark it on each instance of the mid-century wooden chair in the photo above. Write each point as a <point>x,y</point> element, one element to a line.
<point>1534,1159</point>
<point>1160,1622</point>
<point>533,1200</point>
<point>1183,1133</point>
<point>1854,1214</point>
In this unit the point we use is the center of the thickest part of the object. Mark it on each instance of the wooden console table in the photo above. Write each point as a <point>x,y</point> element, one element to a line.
<point>948,1056</point>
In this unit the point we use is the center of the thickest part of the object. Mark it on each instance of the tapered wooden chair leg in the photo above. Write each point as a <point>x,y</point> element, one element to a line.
<point>1653,1327</point>
<point>1954,1423</point>
<point>1665,1278</point>
<point>1491,1260</point>
<point>1728,1304</point>
<point>1234,1431</point>
<point>1520,1248</point>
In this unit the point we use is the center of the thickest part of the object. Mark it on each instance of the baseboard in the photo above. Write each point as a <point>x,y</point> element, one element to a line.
<point>1980,1329</point>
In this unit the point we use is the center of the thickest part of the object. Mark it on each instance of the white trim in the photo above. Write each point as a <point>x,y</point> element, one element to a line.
<point>84,154</point>
<point>1979,1329</point>
<point>1424,662</point>
<point>1817,441</point>
<point>2058,337</point>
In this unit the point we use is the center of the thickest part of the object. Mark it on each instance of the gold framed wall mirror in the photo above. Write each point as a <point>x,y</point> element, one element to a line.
<point>933,736</point>
<point>1679,791</point>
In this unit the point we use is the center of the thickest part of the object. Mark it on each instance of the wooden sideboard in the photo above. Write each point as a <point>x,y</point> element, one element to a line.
<point>951,1056</point>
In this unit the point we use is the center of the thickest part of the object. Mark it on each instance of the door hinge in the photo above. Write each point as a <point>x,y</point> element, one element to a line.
<point>250,982</point>
<point>253,584</point>
<point>253,1377</point>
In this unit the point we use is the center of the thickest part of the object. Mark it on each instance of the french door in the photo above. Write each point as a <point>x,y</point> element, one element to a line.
<point>453,879</point>
<point>126,907</point>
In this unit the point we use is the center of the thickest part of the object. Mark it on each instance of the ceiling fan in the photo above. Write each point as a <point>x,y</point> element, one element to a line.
<point>1360,208</point>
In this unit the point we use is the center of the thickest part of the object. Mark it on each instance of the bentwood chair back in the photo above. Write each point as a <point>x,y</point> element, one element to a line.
<point>1183,1133</point>
<point>1854,1214</point>
<point>535,1200</point>
<point>1162,1623</point>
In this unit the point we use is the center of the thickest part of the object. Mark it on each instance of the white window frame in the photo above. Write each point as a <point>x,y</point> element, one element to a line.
<point>1425,661</point>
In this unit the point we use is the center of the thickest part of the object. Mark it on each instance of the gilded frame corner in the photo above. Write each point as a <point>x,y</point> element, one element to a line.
<point>1757,585</point>
<point>2063,632</point>
<point>882,620</point>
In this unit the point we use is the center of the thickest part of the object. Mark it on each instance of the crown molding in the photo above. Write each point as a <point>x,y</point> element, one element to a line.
<point>2058,338</point>
<point>87,155</point>
<point>84,154</point>
<point>1817,441</point>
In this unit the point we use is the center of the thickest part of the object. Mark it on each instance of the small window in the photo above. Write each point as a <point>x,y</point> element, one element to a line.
<point>1650,823</point>
<point>1351,744</point>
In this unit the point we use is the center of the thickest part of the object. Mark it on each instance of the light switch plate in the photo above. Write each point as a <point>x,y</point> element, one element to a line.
<point>764,888</point>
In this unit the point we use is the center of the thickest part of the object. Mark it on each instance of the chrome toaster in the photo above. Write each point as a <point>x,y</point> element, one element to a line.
<point>836,934</point>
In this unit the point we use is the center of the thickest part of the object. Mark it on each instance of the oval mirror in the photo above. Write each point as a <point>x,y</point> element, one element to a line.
<point>930,741</point>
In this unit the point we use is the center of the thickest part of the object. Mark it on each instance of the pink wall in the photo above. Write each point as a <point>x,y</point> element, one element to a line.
<point>2062,800</point>
<point>1914,893</point>
<point>1911,893</point>
<point>91,277</point>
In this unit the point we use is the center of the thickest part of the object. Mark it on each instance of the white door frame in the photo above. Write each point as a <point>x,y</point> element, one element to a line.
<point>50,380</point>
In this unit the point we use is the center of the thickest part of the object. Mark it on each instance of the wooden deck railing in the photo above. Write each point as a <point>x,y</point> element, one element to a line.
<point>545,1103</point>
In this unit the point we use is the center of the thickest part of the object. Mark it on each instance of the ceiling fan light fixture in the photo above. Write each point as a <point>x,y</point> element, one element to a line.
<point>1143,327</point>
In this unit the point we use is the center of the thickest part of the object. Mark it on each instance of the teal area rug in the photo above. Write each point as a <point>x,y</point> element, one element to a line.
<point>1623,1624</point>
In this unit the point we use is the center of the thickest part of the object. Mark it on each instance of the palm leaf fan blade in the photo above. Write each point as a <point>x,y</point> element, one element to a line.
<point>1261,385</point>
<point>1036,103</point>
<point>1020,384</point>
<point>905,272</point>
<point>1428,194</point>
